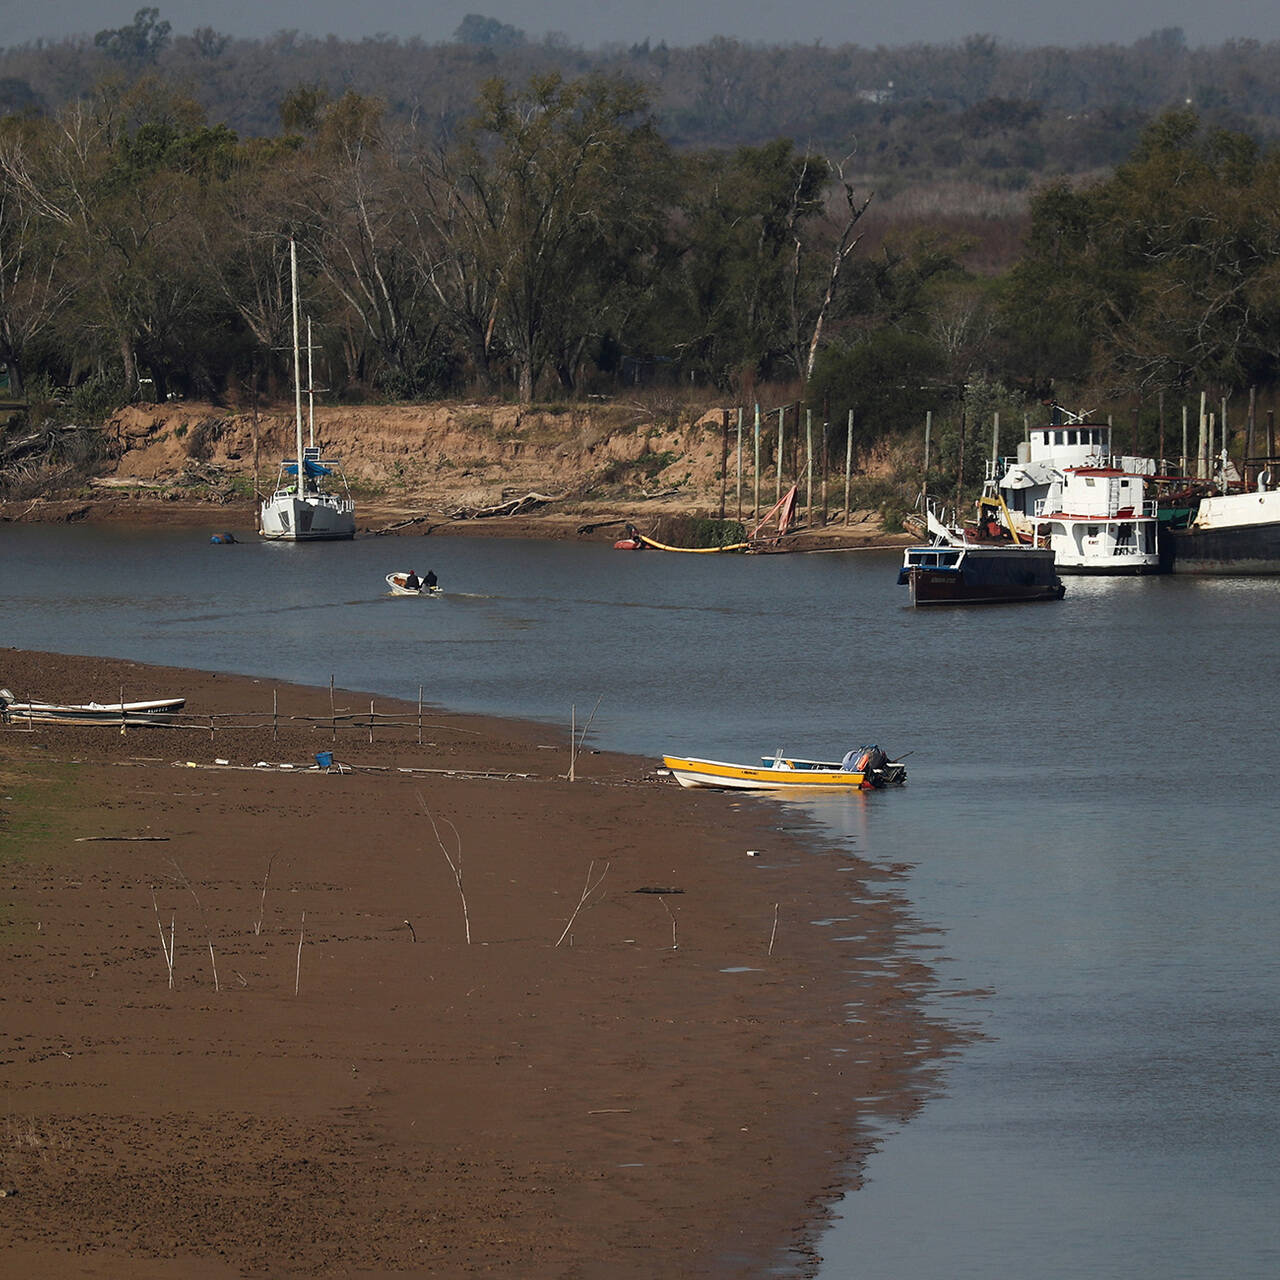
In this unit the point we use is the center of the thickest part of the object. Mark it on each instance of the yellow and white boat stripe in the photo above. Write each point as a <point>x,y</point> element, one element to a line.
<point>717,773</point>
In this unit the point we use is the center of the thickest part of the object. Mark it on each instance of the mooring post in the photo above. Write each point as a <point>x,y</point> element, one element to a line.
<point>808,465</point>
<point>755,506</point>
<point>848,465</point>
<point>1160,467</point>
<point>724,456</point>
<point>739,462</point>
<point>782,417</point>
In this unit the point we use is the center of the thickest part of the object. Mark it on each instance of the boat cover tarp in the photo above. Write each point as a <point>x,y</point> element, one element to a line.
<point>311,468</point>
<point>1026,475</point>
<point>863,759</point>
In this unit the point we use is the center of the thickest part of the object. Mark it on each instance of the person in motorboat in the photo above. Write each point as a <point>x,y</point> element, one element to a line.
<point>412,582</point>
<point>430,580</point>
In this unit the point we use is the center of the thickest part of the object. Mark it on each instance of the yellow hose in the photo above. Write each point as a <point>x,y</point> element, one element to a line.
<point>661,546</point>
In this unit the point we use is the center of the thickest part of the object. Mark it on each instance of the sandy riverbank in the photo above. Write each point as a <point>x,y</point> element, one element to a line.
<point>672,1088</point>
<point>428,470</point>
<point>400,519</point>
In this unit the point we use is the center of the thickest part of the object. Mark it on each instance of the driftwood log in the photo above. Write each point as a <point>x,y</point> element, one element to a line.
<point>399,524</point>
<point>513,507</point>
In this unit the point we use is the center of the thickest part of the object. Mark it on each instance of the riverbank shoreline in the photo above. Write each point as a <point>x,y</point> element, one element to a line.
<point>400,519</point>
<point>478,470</point>
<point>648,1059</point>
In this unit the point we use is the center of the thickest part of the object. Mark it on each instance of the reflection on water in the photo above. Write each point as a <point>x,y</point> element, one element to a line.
<point>1088,817</point>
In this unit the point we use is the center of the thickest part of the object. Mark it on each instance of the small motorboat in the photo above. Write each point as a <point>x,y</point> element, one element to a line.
<point>866,769</point>
<point>398,584</point>
<point>156,711</point>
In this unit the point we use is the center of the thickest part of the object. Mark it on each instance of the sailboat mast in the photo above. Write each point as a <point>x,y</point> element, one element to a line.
<point>297,359</point>
<point>311,392</point>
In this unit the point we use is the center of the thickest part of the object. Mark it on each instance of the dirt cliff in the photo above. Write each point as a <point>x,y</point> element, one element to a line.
<point>462,466</point>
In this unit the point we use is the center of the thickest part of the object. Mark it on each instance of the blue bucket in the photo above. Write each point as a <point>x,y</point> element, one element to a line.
<point>324,759</point>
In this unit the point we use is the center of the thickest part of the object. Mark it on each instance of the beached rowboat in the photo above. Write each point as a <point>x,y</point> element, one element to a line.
<point>156,711</point>
<point>866,769</point>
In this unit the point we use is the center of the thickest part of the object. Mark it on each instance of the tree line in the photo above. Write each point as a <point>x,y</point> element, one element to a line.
<point>1000,113</point>
<point>556,244</point>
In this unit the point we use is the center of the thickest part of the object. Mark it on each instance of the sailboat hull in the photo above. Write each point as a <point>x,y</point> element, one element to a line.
<point>310,518</point>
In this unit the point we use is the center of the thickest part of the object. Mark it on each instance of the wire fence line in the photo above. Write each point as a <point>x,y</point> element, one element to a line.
<point>26,716</point>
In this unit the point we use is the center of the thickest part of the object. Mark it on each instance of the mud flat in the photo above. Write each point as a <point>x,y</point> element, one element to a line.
<point>647,1060</point>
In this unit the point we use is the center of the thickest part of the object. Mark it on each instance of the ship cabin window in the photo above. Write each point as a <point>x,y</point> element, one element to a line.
<point>935,559</point>
<point>1124,484</point>
<point>1073,437</point>
<point>1059,437</point>
<point>1088,481</point>
<point>1091,531</point>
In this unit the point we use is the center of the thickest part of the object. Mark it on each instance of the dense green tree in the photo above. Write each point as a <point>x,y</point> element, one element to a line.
<point>475,28</point>
<point>142,41</point>
<point>120,182</point>
<point>349,205</point>
<point>733,296</point>
<point>1149,278</point>
<point>543,216</point>
<point>34,292</point>
<point>889,379</point>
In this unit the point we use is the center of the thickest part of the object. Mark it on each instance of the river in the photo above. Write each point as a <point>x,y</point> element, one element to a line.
<point>1089,826</point>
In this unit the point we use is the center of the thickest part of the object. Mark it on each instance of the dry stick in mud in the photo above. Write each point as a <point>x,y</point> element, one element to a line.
<point>297,973</point>
<point>587,890</point>
<point>454,866</point>
<point>577,739</point>
<point>208,933</point>
<point>672,914</point>
<point>167,948</point>
<point>774,933</point>
<point>262,904</point>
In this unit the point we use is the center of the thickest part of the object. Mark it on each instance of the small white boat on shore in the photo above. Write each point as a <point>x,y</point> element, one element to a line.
<point>156,711</point>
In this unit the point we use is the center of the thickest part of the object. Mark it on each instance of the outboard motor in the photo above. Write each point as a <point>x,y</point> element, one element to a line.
<point>870,762</point>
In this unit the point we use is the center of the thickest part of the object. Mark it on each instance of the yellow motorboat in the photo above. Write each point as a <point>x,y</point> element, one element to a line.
<point>866,769</point>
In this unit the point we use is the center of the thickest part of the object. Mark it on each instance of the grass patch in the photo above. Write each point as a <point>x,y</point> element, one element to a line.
<point>698,531</point>
<point>643,469</point>
<point>32,809</point>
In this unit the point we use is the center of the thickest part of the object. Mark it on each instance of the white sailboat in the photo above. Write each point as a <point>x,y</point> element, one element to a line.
<point>304,508</point>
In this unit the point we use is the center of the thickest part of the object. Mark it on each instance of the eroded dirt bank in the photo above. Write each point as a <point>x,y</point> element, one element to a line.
<point>676,1084</point>
<point>437,469</point>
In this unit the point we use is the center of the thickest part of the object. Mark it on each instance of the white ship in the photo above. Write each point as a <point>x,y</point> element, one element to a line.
<point>1067,492</point>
